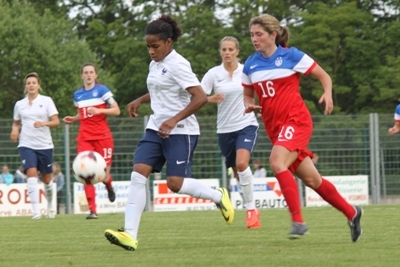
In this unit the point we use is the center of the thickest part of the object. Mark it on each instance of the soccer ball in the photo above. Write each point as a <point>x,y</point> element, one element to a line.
<point>89,167</point>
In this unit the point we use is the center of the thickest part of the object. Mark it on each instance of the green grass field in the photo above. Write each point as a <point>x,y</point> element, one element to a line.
<point>201,238</point>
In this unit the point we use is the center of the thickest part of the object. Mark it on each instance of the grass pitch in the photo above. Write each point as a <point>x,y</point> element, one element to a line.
<point>201,238</point>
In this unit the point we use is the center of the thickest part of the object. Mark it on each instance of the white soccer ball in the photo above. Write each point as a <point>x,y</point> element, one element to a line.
<point>89,167</point>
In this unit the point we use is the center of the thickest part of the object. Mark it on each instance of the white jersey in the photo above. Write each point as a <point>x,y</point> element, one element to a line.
<point>167,83</point>
<point>42,109</point>
<point>231,116</point>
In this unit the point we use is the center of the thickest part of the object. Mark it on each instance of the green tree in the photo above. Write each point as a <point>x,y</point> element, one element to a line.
<point>44,44</point>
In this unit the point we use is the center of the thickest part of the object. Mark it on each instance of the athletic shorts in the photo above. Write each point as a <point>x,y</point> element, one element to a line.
<point>229,143</point>
<point>295,136</point>
<point>104,147</point>
<point>177,151</point>
<point>41,159</point>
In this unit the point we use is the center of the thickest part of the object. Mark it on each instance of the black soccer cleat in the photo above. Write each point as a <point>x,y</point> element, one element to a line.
<point>111,194</point>
<point>355,225</point>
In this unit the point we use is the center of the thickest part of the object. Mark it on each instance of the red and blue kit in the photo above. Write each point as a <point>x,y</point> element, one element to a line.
<point>93,127</point>
<point>276,81</point>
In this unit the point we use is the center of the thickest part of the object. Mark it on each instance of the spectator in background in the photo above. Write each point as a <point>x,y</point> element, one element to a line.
<point>19,175</point>
<point>6,176</point>
<point>259,170</point>
<point>58,178</point>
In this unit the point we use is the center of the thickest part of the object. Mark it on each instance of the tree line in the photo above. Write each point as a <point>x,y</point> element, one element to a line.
<point>356,42</point>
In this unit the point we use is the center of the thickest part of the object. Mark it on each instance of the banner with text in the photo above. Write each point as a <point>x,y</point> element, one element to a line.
<point>353,188</point>
<point>14,200</point>
<point>267,194</point>
<point>103,204</point>
<point>166,200</point>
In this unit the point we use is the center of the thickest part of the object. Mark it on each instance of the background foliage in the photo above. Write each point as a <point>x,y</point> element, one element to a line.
<point>355,41</point>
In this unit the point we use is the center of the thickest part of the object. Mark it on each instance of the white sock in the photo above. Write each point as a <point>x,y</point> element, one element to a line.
<point>33,191</point>
<point>246,181</point>
<point>194,188</point>
<point>49,193</point>
<point>135,204</point>
<point>240,190</point>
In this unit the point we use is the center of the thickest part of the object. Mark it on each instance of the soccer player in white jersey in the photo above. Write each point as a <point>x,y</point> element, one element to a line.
<point>171,133</point>
<point>237,131</point>
<point>34,115</point>
<point>273,72</point>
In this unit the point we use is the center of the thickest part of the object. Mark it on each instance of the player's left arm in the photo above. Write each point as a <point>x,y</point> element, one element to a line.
<point>112,110</point>
<point>326,83</point>
<point>53,122</point>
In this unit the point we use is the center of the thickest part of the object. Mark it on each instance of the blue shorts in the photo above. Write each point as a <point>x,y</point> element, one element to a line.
<point>177,151</point>
<point>229,143</point>
<point>41,159</point>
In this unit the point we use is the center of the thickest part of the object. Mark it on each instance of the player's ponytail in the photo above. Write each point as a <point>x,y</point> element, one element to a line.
<point>165,27</point>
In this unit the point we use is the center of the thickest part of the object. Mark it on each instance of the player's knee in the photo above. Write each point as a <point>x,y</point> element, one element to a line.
<point>174,184</point>
<point>277,166</point>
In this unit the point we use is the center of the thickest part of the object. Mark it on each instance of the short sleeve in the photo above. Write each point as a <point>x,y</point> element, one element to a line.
<point>303,63</point>
<point>207,83</point>
<point>184,75</point>
<point>51,108</point>
<point>17,115</point>
<point>397,113</point>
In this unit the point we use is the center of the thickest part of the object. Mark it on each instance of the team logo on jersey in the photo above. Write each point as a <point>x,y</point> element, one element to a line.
<point>278,61</point>
<point>163,71</point>
<point>95,93</point>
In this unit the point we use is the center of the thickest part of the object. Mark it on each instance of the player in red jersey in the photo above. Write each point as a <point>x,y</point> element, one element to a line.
<point>273,72</point>
<point>94,103</point>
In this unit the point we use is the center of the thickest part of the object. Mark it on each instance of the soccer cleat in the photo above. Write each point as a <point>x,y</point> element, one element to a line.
<point>50,214</point>
<point>92,215</point>
<point>298,230</point>
<point>36,217</point>
<point>122,239</point>
<point>355,225</point>
<point>111,194</point>
<point>253,218</point>
<point>225,206</point>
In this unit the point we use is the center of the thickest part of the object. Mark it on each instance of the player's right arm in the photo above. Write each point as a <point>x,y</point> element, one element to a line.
<point>15,131</point>
<point>71,119</point>
<point>249,104</point>
<point>134,106</point>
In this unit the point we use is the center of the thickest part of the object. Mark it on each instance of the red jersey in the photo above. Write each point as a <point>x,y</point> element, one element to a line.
<point>93,127</point>
<point>276,81</point>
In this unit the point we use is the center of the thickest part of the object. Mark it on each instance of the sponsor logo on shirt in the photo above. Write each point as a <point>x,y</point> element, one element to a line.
<point>253,66</point>
<point>164,71</point>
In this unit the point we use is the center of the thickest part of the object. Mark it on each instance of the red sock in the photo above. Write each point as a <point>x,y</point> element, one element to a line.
<point>291,193</point>
<point>109,182</point>
<point>91,197</point>
<point>330,194</point>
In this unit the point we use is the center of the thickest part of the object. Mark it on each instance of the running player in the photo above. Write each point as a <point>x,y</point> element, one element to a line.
<point>273,72</point>
<point>35,114</point>
<point>237,131</point>
<point>171,134</point>
<point>396,127</point>
<point>94,103</point>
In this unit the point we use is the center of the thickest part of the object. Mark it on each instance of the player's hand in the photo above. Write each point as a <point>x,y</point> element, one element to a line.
<point>393,130</point>
<point>68,119</point>
<point>166,128</point>
<point>93,110</point>
<point>14,136</point>
<point>39,124</point>
<point>133,108</point>
<point>217,98</point>
<point>327,100</point>
<point>251,108</point>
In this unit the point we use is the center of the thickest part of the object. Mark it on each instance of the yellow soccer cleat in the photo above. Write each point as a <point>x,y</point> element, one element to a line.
<point>225,206</point>
<point>122,239</point>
